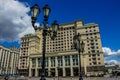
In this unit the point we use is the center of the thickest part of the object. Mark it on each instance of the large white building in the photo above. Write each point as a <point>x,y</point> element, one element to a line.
<point>9,60</point>
<point>61,57</point>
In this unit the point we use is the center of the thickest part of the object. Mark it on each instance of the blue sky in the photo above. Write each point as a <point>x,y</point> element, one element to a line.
<point>106,13</point>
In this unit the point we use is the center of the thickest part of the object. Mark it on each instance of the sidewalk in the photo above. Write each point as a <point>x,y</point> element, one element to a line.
<point>67,78</point>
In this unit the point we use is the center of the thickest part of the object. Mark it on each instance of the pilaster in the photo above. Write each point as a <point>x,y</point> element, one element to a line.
<point>71,65</point>
<point>64,73</point>
<point>36,71</point>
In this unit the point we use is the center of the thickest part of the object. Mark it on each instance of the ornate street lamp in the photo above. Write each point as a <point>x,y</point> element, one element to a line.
<point>34,14</point>
<point>55,28</point>
<point>79,46</point>
<point>35,11</point>
<point>46,11</point>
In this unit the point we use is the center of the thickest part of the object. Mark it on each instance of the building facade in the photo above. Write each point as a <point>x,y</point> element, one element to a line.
<point>9,60</point>
<point>29,44</point>
<point>61,57</point>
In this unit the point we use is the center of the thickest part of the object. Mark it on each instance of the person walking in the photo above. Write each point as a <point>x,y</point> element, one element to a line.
<point>6,78</point>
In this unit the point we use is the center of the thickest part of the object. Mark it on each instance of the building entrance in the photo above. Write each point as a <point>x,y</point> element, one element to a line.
<point>75,71</point>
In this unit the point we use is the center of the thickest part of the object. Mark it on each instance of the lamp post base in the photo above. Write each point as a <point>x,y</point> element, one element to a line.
<point>42,79</point>
<point>80,78</point>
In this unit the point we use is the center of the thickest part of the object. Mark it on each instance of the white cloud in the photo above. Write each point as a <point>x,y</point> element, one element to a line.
<point>111,62</point>
<point>111,56</point>
<point>14,20</point>
<point>108,52</point>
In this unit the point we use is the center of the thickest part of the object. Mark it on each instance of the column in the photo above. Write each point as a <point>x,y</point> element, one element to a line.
<point>56,66</point>
<point>36,65</point>
<point>64,73</point>
<point>5,62</point>
<point>71,65</point>
<point>49,65</point>
<point>30,66</point>
<point>84,61</point>
<point>8,64</point>
<point>11,60</point>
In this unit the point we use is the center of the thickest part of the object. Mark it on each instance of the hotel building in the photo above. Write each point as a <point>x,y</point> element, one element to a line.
<point>9,60</point>
<point>61,57</point>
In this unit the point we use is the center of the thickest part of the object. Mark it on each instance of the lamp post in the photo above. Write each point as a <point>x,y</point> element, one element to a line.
<point>79,46</point>
<point>35,10</point>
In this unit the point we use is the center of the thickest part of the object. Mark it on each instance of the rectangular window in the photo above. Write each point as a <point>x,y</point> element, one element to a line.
<point>33,62</point>
<point>52,61</point>
<point>39,62</point>
<point>60,61</point>
<point>46,62</point>
<point>75,59</point>
<point>67,60</point>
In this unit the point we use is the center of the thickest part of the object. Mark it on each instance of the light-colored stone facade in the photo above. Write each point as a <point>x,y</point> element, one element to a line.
<point>9,60</point>
<point>30,44</point>
<point>61,57</point>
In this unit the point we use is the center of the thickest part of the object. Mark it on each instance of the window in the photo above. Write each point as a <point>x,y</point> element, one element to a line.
<point>99,62</point>
<point>93,47</point>
<point>98,58</point>
<point>94,58</point>
<point>88,51</point>
<point>52,61</point>
<point>98,54</point>
<point>97,50</point>
<point>46,61</point>
<point>33,62</point>
<point>39,62</point>
<point>67,60</point>
<point>87,41</point>
<point>92,43</point>
<point>96,47</point>
<point>93,55</point>
<point>60,60</point>
<point>75,59</point>
<point>91,40</point>
<point>94,63</point>
<point>95,36</point>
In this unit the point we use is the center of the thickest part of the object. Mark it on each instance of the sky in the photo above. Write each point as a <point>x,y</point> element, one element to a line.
<point>15,20</point>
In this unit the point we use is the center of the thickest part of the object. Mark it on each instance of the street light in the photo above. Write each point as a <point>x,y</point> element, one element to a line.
<point>34,14</point>
<point>79,46</point>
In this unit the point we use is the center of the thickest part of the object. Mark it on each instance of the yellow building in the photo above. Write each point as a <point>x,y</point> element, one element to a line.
<point>61,57</point>
<point>9,60</point>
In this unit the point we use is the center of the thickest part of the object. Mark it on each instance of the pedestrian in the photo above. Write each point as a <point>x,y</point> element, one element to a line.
<point>71,78</point>
<point>6,78</point>
<point>86,76</point>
